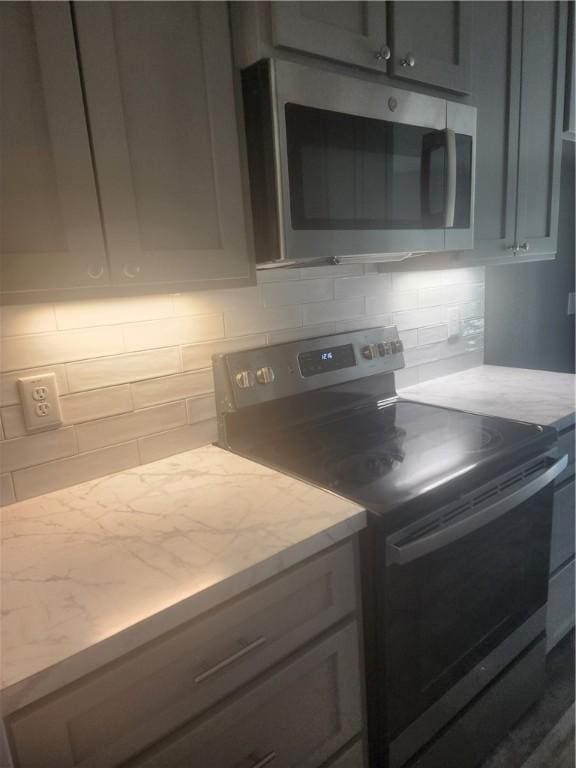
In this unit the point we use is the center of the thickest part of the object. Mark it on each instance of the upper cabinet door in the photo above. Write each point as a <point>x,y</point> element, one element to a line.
<point>353,32</point>
<point>541,115</point>
<point>431,43</point>
<point>161,108</point>
<point>50,233</point>
<point>496,84</point>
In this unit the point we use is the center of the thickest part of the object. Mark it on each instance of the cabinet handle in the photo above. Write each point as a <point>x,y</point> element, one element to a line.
<point>95,271</point>
<point>231,659</point>
<point>525,247</point>
<point>408,60</point>
<point>383,54</point>
<point>131,270</point>
<point>265,760</point>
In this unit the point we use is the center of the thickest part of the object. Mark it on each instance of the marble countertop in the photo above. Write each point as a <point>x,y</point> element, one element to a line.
<point>93,571</point>
<point>540,397</point>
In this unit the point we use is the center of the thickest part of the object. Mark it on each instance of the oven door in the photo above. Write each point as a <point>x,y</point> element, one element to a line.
<point>466,590</point>
<point>370,171</point>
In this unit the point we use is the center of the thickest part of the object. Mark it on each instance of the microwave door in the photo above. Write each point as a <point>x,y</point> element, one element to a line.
<point>438,179</point>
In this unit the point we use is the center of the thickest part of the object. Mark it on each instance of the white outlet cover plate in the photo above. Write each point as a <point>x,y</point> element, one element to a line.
<point>40,402</point>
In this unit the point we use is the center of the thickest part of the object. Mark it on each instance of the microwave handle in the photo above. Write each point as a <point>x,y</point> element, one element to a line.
<point>478,518</point>
<point>450,198</point>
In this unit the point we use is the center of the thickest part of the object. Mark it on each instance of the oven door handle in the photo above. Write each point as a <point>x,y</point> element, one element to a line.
<point>482,515</point>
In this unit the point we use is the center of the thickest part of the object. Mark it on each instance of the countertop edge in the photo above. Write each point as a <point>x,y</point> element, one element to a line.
<point>29,690</point>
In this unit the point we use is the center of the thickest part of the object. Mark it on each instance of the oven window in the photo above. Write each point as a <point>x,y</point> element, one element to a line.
<point>450,609</point>
<point>350,172</point>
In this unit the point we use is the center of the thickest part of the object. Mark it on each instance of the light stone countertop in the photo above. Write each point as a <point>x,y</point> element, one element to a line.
<point>539,397</point>
<point>94,571</point>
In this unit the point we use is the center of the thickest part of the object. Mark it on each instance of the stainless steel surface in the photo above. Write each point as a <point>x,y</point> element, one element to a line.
<point>450,202</point>
<point>245,379</point>
<point>288,379</point>
<point>475,515</point>
<point>383,54</point>
<point>292,83</point>
<point>265,375</point>
<point>408,60</point>
<point>424,728</point>
<point>265,760</point>
<point>231,659</point>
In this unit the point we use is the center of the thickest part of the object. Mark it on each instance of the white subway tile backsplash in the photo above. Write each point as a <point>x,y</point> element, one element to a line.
<point>9,386</point>
<point>301,292</point>
<point>7,493</point>
<point>85,314</point>
<point>134,374</point>
<point>121,429</point>
<point>259,320</point>
<point>25,319</point>
<point>326,311</point>
<point>201,409</point>
<point>185,438</point>
<point>107,371</point>
<point>35,449</point>
<point>169,388</point>
<point>172,332</point>
<point>87,466</point>
<point>48,348</point>
<point>200,355</point>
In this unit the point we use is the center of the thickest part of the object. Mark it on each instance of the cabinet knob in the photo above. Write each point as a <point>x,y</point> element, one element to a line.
<point>408,60</point>
<point>95,271</point>
<point>131,270</point>
<point>512,248</point>
<point>524,247</point>
<point>383,54</point>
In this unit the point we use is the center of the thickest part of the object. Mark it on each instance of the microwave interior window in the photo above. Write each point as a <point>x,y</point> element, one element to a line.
<point>350,172</point>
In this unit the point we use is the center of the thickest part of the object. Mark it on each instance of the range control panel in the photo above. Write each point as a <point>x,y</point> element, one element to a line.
<point>257,375</point>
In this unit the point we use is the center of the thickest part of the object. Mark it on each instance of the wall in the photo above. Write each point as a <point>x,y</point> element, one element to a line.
<point>134,374</point>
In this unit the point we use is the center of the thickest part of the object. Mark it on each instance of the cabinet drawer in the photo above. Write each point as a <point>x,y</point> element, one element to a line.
<point>560,615</point>
<point>566,445</point>
<point>353,757</point>
<point>562,542</point>
<point>118,712</point>
<point>297,718</point>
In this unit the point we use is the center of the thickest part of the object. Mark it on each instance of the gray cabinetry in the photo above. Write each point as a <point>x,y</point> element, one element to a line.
<point>351,32</point>
<point>431,43</point>
<point>176,682</point>
<point>518,82</point>
<point>160,101</point>
<point>570,105</point>
<point>50,233</point>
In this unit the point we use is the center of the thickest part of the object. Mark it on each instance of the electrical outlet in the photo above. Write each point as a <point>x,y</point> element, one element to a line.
<point>40,402</point>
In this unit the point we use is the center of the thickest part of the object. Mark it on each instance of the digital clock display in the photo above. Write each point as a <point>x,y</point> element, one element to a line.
<point>323,360</point>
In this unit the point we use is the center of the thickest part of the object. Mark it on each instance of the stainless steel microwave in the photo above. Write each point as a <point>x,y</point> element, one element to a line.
<point>345,169</point>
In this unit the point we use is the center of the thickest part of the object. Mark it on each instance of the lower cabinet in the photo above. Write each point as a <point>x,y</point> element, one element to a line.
<point>271,676</point>
<point>561,594</point>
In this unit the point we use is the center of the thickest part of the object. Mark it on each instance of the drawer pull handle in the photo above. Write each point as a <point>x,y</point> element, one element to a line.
<point>230,660</point>
<point>265,760</point>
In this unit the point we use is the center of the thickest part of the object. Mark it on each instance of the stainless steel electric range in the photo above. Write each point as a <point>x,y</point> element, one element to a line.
<point>456,553</point>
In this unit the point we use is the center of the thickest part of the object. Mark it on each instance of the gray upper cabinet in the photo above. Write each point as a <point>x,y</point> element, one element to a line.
<point>51,233</point>
<point>430,43</point>
<point>570,105</point>
<point>541,118</point>
<point>518,83</point>
<point>161,107</point>
<point>352,32</point>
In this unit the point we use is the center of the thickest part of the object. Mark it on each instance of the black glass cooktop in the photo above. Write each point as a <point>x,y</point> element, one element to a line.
<point>384,455</point>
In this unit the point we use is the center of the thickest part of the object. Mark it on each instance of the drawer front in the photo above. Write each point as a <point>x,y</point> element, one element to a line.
<point>560,615</point>
<point>353,757</point>
<point>119,712</point>
<point>296,718</point>
<point>563,528</point>
<point>566,445</point>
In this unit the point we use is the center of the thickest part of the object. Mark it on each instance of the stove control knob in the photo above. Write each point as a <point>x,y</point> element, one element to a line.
<point>397,346</point>
<point>385,348</point>
<point>245,379</point>
<point>369,351</point>
<point>265,375</point>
